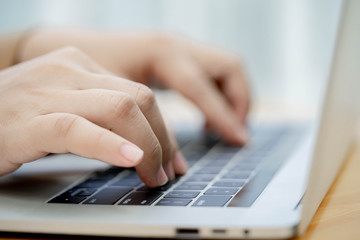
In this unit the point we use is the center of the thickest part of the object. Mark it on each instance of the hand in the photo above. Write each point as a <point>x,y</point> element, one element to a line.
<point>65,102</point>
<point>211,78</point>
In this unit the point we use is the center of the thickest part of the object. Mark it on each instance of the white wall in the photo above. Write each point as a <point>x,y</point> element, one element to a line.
<point>286,44</point>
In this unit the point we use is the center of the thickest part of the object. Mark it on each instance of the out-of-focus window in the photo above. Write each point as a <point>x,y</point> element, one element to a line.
<point>286,44</point>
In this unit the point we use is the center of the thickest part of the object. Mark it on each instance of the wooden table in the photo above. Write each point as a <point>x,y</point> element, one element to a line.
<point>338,216</point>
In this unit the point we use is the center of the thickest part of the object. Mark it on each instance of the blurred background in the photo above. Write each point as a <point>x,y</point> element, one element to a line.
<point>286,45</point>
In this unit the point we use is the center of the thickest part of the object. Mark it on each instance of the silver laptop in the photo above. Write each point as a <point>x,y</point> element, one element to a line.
<point>270,188</point>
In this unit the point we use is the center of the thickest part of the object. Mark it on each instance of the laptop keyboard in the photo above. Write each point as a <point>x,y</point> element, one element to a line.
<point>219,175</point>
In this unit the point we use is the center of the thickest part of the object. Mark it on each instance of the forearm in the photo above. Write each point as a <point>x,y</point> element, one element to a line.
<point>107,48</point>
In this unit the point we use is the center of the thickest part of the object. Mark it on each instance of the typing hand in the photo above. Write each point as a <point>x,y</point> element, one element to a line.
<point>211,78</point>
<point>64,102</point>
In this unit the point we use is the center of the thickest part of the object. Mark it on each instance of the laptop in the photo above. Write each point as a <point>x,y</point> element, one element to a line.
<point>270,188</point>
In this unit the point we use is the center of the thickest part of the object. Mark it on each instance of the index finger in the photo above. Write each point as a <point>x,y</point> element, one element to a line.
<point>146,102</point>
<point>228,69</point>
<point>185,76</point>
<point>236,89</point>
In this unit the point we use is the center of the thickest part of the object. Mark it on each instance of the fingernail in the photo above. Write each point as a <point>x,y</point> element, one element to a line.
<point>161,177</point>
<point>131,152</point>
<point>180,164</point>
<point>169,169</point>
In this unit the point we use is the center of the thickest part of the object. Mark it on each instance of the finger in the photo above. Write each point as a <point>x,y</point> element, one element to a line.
<point>145,100</point>
<point>226,67</point>
<point>178,160</point>
<point>186,77</point>
<point>119,113</point>
<point>69,133</point>
<point>6,166</point>
<point>237,91</point>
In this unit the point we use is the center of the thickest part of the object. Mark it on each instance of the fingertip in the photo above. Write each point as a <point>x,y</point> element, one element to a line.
<point>242,135</point>
<point>169,170</point>
<point>180,164</point>
<point>237,136</point>
<point>157,179</point>
<point>161,177</point>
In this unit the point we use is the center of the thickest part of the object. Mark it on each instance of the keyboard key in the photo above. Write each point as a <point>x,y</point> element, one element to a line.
<point>83,192</point>
<point>211,201</point>
<point>229,184</point>
<point>253,159</point>
<point>186,186</point>
<point>215,163</point>
<point>221,191</point>
<point>132,175</point>
<point>194,156</point>
<point>127,182</point>
<point>237,175</point>
<point>209,170</point>
<point>141,198</point>
<point>90,183</point>
<point>200,146</point>
<point>108,173</point>
<point>173,202</point>
<point>65,198</point>
<point>245,166</point>
<point>220,156</point>
<point>229,148</point>
<point>225,146</point>
<point>108,196</point>
<point>200,178</point>
<point>163,188</point>
<point>182,194</point>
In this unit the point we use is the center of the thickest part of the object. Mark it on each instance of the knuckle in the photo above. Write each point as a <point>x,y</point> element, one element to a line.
<point>50,67</point>
<point>145,97</point>
<point>70,51</point>
<point>73,54</point>
<point>65,124</point>
<point>121,106</point>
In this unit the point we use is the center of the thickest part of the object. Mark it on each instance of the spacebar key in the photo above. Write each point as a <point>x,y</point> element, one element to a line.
<point>211,201</point>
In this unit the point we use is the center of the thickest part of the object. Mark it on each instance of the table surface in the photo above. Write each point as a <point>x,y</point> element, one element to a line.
<point>338,216</point>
